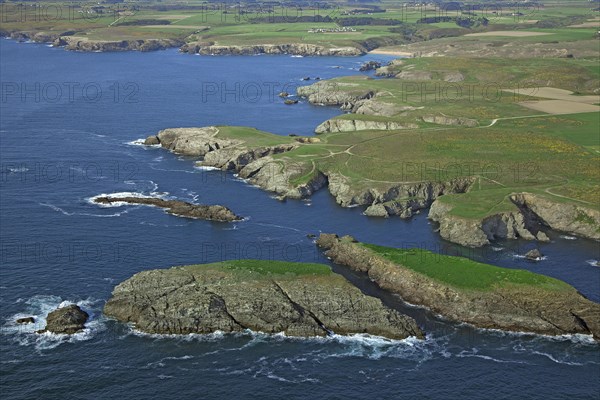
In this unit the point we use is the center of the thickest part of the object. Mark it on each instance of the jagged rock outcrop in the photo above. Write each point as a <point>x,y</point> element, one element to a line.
<point>513,307</point>
<point>370,66</point>
<point>177,207</point>
<point>191,141</point>
<point>229,298</point>
<point>66,320</point>
<point>350,125</point>
<point>303,49</point>
<point>444,120</point>
<point>332,93</point>
<point>532,214</point>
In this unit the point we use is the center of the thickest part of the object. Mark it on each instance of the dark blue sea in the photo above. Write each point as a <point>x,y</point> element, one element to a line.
<point>68,131</point>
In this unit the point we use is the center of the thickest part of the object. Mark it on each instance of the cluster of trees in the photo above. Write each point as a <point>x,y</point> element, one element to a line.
<point>463,22</point>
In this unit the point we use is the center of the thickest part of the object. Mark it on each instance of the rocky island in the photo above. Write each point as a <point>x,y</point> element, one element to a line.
<point>467,291</point>
<point>177,207</point>
<point>267,296</point>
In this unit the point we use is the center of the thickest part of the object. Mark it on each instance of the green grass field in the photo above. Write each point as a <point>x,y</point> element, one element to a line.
<point>464,273</point>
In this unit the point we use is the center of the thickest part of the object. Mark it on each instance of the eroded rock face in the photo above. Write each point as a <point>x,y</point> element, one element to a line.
<point>206,298</point>
<point>194,142</point>
<point>521,308</point>
<point>178,208</point>
<point>334,93</point>
<point>401,199</point>
<point>531,214</point>
<point>66,320</point>
<point>370,66</point>
<point>376,107</point>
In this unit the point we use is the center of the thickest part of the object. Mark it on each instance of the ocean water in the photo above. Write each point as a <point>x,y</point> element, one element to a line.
<point>68,131</point>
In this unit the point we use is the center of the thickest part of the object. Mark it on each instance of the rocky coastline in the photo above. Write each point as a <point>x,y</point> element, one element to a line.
<point>300,49</point>
<point>257,165</point>
<point>80,43</point>
<point>261,296</point>
<point>508,307</point>
<point>76,43</point>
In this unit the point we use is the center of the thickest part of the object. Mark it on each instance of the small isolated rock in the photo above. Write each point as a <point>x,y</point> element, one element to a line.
<point>542,237</point>
<point>66,320</point>
<point>151,140</point>
<point>306,78</point>
<point>26,320</point>
<point>290,101</point>
<point>311,235</point>
<point>534,255</point>
<point>376,210</point>
<point>284,94</point>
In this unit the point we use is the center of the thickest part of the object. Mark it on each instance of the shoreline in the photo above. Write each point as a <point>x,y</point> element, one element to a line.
<point>398,53</point>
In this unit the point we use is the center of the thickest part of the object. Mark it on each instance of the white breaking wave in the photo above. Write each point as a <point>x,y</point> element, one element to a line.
<point>140,142</point>
<point>206,168</point>
<point>593,263</point>
<point>152,195</point>
<point>567,237</point>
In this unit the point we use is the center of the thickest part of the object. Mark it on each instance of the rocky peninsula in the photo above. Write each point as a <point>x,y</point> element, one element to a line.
<point>263,296</point>
<point>466,291</point>
<point>177,207</point>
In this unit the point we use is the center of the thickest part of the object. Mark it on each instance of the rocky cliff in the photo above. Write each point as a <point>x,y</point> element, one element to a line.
<point>302,49</point>
<point>263,296</point>
<point>402,199</point>
<point>532,215</point>
<point>514,307</point>
<point>332,93</point>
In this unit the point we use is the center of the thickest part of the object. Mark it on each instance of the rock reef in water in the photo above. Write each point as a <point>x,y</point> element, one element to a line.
<point>177,207</point>
<point>266,296</point>
<point>551,307</point>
